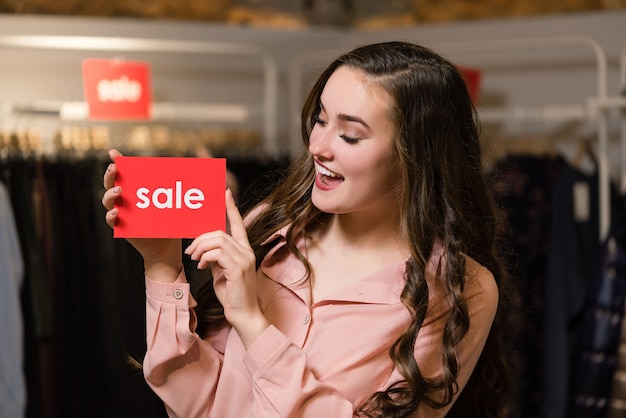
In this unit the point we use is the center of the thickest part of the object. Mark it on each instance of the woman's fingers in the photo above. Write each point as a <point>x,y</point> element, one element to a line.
<point>226,251</point>
<point>218,239</point>
<point>237,227</point>
<point>109,197</point>
<point>111,217</point>
<point>223,259</point>
<point>111,172</point>
<point>206,247</point>
<point>111,192</point>
<point>109,176</point>
<point>108,201</point>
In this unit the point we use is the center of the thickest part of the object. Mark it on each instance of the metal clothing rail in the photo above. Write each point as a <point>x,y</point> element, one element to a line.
<point>597,107</point>
<point>129,44</point>
<point>162,111</point>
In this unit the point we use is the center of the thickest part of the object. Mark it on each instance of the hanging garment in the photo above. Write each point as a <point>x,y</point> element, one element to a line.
<point>12,379</point>
<point>596,360</point>
<point>523,187</point>
<point>17,173</point>
<point>572,256</point>
<point>617,400</point>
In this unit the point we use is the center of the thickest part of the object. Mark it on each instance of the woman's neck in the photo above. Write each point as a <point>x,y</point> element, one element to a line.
<point>346,248</point>
<point>354,233</point>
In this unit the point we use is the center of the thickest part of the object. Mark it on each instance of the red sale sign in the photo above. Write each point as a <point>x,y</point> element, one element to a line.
<point>473,78</point>
<point>117,89</point>
<point>166,197</point>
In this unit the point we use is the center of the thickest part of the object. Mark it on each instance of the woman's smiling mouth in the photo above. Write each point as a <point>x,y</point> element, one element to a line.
<point>326,179</point>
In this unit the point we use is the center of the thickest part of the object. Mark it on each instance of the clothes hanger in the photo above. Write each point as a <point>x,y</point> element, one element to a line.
<point>584,151</point>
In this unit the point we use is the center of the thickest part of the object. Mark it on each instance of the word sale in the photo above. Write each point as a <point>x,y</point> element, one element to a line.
<point>170,198</point>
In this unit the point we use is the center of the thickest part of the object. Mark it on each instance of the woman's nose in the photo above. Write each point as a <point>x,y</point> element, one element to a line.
<point>320,142</point>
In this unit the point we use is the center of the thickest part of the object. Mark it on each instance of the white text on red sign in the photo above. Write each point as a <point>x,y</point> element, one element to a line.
<point>174,198</point>
<point>121,90</point>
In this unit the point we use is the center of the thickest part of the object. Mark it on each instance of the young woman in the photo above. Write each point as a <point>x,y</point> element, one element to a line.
<point>365,284</point>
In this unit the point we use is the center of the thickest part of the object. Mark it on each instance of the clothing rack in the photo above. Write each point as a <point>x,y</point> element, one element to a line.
<point>594,108</point>
<point>590,108</point>
<point>209,112</point>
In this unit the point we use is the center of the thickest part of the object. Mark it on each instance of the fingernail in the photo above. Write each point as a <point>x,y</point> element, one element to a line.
<point>116,189</point>
<point>114,211</point>
<point>187,250</point>
<point>110,167</point>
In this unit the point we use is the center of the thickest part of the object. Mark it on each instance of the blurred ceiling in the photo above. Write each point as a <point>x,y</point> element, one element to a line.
<point>369,14</point>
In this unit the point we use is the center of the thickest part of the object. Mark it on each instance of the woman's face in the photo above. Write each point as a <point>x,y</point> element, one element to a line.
<point>352,145</point>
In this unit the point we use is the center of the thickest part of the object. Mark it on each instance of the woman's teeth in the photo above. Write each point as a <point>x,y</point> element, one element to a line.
<point>326,172</point>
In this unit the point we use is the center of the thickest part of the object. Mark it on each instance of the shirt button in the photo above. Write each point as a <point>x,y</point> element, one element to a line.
<point>307,318</point>
<point>178,294</point>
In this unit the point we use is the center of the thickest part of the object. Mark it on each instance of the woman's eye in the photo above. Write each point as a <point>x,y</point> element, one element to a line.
<point>349,139</point>
<point>316,120</point>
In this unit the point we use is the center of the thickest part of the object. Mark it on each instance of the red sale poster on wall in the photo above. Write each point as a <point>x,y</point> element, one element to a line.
<point>166,197</point>
<point>117,89</point>
<point>473,78</point>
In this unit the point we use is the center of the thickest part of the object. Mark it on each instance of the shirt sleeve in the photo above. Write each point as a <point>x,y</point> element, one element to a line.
<point>183,370</point>
<point>179,366</point>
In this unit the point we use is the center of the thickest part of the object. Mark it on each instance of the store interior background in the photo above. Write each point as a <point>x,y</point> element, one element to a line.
<point>542,92</point>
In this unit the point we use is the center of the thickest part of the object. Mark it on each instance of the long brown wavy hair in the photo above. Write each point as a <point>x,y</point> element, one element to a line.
<point>444,198</point>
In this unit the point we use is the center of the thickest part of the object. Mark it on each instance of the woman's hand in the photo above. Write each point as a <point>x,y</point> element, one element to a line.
<point>162,257</point>
<point>233,264</point>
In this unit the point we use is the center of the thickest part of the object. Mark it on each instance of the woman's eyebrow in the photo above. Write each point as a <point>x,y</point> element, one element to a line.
<point>347,118</point>
<point>350,118</point>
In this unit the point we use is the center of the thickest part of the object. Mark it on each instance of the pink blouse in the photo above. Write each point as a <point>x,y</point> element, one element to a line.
<point>315,360</point>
